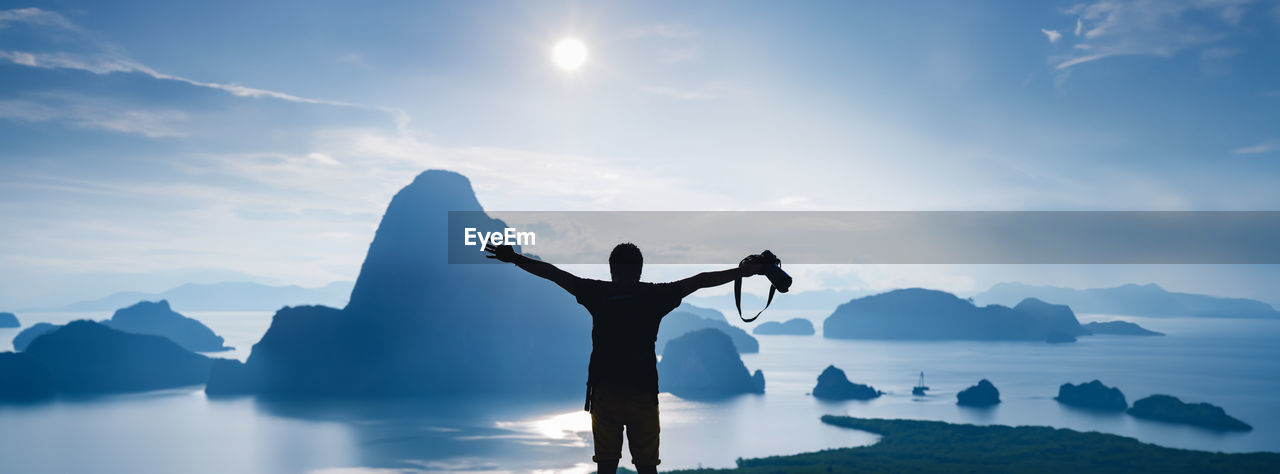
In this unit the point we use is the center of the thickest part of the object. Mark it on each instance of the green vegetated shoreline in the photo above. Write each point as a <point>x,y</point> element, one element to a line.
<point>935,446</point>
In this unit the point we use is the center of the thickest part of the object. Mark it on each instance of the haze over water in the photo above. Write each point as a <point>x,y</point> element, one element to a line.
<point>1225,362</point>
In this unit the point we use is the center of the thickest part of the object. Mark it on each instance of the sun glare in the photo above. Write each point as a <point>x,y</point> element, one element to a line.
<point>569,54</point>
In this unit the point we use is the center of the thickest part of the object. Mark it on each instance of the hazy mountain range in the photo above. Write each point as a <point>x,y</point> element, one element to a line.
<point>226,296</point>
<point>1133,300</point>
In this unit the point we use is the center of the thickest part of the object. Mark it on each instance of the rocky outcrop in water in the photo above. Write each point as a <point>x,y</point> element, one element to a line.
<point>834,385</point>
<point>1170,409</point>
<point>1093,395</point>
<point>984,394</point>
<point>704,364</point>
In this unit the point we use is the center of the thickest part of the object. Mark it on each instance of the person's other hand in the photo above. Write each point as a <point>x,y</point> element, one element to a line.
<point>501,253</point>
<point>750,265</point>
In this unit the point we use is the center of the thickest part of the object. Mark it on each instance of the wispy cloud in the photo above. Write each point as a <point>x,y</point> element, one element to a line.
<point>1255,149</point>
<point>107,59</point>
<point>108,63</point>
<point>95,114</point>
<point>710,90</point>
<point>35,16</point>
<point>1108,28</point>
<point>790,201</point>
<point>667,31</point>
<point>671,43</point>
<point>1053,35</point>
<point>1080,60</point>
<point>682,94</point>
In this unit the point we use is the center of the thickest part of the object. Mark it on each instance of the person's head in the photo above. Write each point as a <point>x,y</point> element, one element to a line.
<point>625,262</point>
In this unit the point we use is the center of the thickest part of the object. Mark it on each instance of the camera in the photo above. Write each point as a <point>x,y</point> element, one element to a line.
<point>771,268</point>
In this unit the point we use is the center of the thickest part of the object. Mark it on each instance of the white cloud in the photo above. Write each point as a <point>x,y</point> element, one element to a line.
<point>790,201</point>
<point>682,94</point>
<point>1255,149</point>
<point>107,63</point>
<point>666,31</point>
<point>323,158</point>
<point>1053,35</point>
<point>1107,28</point>
<point>354,59</point>
<point>1216,61</point>
<point>35,16</point>
<point>710,90</point>
<point>1079,60</point>
<point>95,114</point>
<point>670,43</point>
<point>678,54</point>
<point>107,59</point>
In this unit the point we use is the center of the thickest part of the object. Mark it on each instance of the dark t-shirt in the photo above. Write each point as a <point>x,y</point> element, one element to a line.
<point>624,328</point>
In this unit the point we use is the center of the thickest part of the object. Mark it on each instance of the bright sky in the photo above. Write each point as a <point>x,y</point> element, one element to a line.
<point>150,143</point>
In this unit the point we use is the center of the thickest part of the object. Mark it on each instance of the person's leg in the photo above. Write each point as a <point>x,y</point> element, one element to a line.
<point>642,436</point>
<point>606,432</point>
<point>608,467</point>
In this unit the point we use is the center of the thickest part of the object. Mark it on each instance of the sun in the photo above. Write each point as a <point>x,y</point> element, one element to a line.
<point>569,54</point>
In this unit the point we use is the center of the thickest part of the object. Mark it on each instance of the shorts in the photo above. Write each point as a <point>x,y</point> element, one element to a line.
<point>613,408</point>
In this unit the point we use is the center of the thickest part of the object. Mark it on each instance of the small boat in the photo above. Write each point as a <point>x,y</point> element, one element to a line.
<point>919,389</point>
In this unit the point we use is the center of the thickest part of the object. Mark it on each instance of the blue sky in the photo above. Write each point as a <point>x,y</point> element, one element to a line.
<point>151,143</point>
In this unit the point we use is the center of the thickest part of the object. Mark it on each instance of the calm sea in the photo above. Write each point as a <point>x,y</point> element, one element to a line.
<point>1231,363</point>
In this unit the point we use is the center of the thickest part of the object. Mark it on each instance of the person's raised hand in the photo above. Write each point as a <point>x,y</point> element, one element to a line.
<point>501,253</point>
<point>751,265</point>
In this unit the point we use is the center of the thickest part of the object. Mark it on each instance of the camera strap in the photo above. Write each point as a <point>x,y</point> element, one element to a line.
<point>737,299</point>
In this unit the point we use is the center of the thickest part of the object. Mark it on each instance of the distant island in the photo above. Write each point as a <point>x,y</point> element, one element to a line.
<point>1170,409</point>
<point>156,318</point>
<point>834,385</point>
<point>701,312</point>
<point>914,446</point>
<point>704,364</point>
<point>225,296</point>
<point>1135,300</point>
<point>22,378</point>
<point>678,323</point>
<point>984,394</point>
<point>1120,328</point>
<point>794,326</point>
<point>1093,395</point>
<point>922,314</point>
<point>29,334</point>
<point>9,320</point>
<point>88,357</point>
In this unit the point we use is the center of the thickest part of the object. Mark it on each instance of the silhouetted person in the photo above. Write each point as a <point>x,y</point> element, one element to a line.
<point>622,380</point>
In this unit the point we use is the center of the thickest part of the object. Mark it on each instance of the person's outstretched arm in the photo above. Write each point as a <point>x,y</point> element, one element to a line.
<point>504,253</point>
<point>710,279</point>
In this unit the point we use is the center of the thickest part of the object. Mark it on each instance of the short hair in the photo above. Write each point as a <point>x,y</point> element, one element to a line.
<point>625,262</point>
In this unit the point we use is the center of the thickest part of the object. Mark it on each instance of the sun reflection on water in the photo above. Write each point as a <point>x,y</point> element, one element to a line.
<point>571,429</point>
